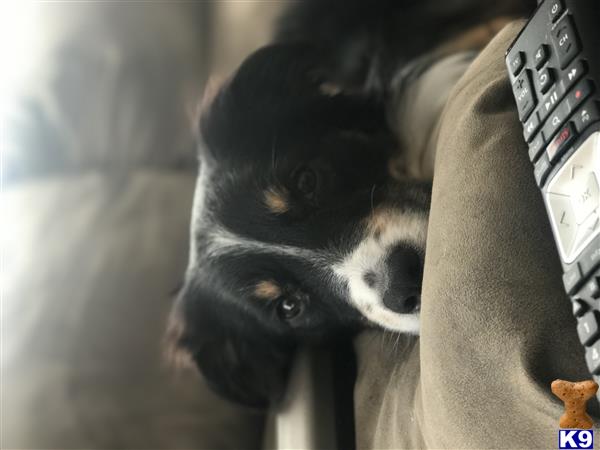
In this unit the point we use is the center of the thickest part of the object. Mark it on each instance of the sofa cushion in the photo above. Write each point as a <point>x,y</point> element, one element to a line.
<point>108,86</point>
<point>496,327</point>
<point>90,262</point>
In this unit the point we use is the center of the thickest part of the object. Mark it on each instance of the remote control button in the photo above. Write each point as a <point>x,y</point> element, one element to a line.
<point>516,63</point>
<point>580,92</point>
<point>540,56</point>
<point>587,328</point>
<point>579,307</point>
<point>592,358</point>
<point>536,147</point>
<point>551,99</point>
<point>585,196</point>
<point>541,169</point>
<point>587,229</point>
<point>563,219</point>
<point>530,127</point>
<point>556,120</point>
<point>524,96</point>
<point>556,9</point>
<point>561,142</point>
<point>590,258</point>
<point>586,115</point>
<point>572,278</point>
<point>573,73</point>
<point>592,288</point>
<point>576,181</point>
<point>545,80</point>
<point>564,41</point>
<point>577,168</point>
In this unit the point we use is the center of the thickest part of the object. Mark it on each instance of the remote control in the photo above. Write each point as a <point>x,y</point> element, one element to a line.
<point>554,68</point>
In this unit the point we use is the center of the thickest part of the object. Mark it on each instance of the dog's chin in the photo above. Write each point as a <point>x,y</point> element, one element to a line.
<point>392,321</point>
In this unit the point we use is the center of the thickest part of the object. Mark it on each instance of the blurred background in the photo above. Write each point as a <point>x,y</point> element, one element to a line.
<point>98,169</point>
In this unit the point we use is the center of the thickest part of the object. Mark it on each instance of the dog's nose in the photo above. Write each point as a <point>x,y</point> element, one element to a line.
<point>400,305</point>
<point>403,293</point>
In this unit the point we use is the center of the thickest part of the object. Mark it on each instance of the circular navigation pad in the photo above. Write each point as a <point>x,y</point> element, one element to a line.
<point>573,200</point>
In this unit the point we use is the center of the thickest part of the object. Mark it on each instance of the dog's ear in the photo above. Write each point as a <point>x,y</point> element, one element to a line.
<point>280,92</point>
<point>240,362</point>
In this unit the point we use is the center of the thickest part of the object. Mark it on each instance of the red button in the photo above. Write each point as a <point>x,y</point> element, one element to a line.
<point>560,142</point>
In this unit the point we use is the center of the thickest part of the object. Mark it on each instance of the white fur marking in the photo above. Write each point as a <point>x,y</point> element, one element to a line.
<point>222,241</point>
<point>387,230</point>
<point>369,255</point>
<point>198,208</point>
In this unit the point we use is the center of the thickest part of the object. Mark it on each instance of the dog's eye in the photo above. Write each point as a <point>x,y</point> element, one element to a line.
<point>289,308</point>
<point>305,180</point>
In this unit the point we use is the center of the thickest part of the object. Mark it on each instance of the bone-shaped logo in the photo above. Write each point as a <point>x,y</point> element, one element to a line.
<point>575,397</point>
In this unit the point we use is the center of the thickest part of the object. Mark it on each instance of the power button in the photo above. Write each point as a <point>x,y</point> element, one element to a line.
<point>556,9</point>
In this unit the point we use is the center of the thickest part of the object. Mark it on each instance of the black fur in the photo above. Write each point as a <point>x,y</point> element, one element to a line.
<point>273,125</point>
<point>366,43</point>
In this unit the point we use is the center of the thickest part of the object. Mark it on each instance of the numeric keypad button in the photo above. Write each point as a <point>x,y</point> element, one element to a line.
<point>587,328</point>
<point>592,358</point>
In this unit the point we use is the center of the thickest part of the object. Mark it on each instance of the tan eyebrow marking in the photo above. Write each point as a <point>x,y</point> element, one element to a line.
<point>329,89</point>
<point>276,200</point>
<point>267,290</point>
<point>379,220</point>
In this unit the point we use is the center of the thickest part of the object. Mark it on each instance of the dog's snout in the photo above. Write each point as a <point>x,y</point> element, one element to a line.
<point>403,293</point>
<point>371,278</point>
<point>400,305</point>
<point>404,266</point>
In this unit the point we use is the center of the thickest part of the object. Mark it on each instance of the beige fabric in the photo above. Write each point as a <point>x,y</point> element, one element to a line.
<point>90,262</point>
<point>98,170</point>
<point>496,326</point>
<point>420,104</point>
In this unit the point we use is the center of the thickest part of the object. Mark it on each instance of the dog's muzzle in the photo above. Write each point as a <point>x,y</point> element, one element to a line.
<point>398,281</point>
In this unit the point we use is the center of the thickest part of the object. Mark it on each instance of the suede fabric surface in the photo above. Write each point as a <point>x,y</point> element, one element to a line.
<point>496,327</point>
<point>91,263</point>
<point>98,176</point>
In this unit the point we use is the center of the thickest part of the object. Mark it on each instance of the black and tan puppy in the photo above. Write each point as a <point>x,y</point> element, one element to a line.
<point>299,233</point>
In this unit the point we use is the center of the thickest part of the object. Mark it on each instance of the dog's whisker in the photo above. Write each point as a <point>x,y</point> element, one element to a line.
<point>274,155</point>
<point>387,339</point>
<point>397,343</point>
<point>372,198</point>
